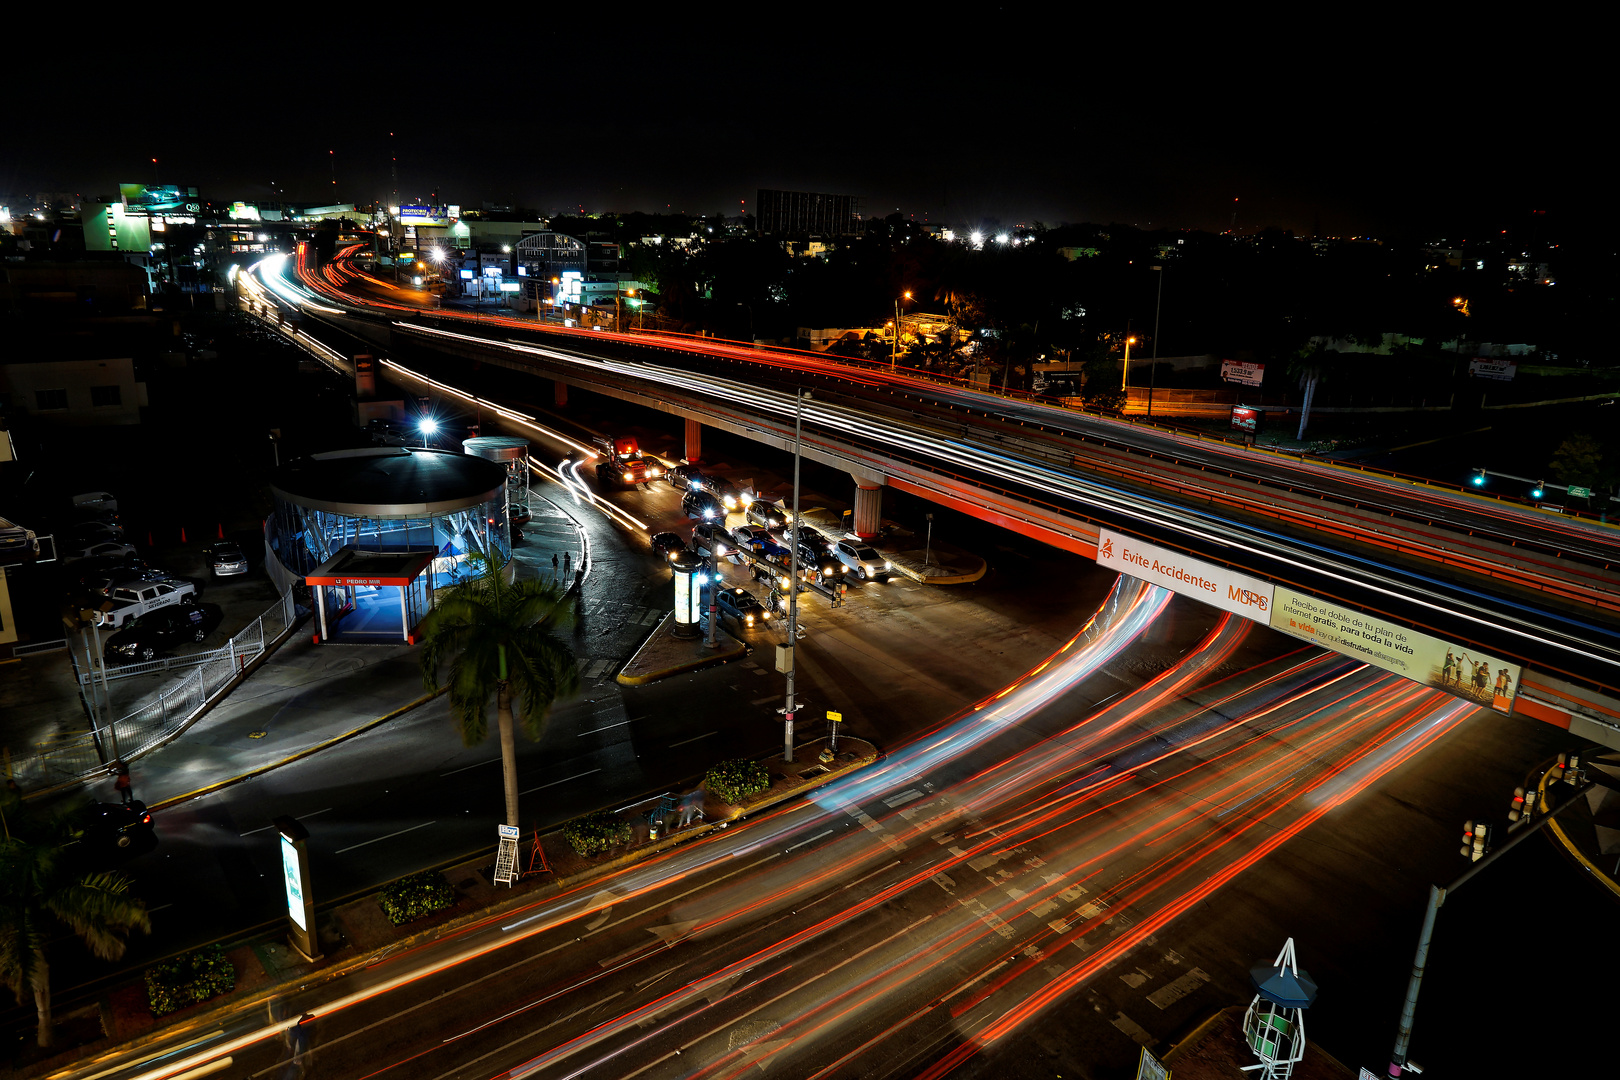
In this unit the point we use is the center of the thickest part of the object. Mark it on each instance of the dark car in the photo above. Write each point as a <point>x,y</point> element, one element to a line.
<point>684,477</point>
<point>226,558</point>
<point>97,575</point>
<point>667,544</point>
<point>759,541</point>
<point>700,504</point>
<point>742,606</point>
<point>155,631</point>
<point>119,825</point>
<point>819,560</point>
<point>767,514</point>
<point>724,490</point>
<point>806,535</point>
<point>711,538</point>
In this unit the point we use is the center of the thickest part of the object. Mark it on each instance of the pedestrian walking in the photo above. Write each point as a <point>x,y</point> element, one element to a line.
<point>121,781</point>
<point>568,562</point>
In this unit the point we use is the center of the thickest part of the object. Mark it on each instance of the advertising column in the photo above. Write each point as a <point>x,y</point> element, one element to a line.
<point>295,878</point>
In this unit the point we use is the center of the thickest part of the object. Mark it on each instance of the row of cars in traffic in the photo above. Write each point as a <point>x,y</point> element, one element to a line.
<point>768,535</point>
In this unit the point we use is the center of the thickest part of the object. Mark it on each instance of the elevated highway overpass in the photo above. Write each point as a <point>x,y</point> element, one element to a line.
<point>1534,589</point>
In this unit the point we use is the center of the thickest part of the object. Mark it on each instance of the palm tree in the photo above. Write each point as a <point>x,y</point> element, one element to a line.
<point>38,888</point>
<point>498,637</point>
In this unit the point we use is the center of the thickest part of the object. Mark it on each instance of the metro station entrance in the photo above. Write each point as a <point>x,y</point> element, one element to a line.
<point>372,597</point>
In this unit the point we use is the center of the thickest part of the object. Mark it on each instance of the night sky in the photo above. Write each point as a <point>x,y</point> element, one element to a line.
<point>1002,113</point>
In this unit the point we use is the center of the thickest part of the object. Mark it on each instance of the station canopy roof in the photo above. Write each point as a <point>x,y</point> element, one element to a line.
<point>389,482</point>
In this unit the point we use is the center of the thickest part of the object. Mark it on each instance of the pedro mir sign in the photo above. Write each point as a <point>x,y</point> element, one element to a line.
<point>1226,589</point>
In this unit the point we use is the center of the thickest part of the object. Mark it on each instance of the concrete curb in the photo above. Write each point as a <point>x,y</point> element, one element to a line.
<point>299,755</point>
<point>1569,845</point>
<point>719,656</point>
<point>771,799</point>
<point>940,579</point>
<point>1192,1039</point>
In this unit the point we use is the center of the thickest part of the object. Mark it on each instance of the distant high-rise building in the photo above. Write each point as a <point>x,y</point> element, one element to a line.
<point>782,213</point>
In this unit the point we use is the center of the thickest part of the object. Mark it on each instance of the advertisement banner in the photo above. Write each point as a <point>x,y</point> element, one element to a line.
<point>1243,371</point>
<point>1247,419</point>
<point>424,215</point>
<point>1500,370</point>
<point>160,198</point>
<point>1224,588</point>
<point>1457,669</point>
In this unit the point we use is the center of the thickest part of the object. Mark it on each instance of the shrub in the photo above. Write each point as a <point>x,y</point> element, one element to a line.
<point>735,780</point>
<point>595,833</point>
<point>188,978</point>
<point>415,896</point>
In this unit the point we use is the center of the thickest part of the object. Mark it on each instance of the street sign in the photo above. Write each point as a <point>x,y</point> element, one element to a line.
<point>1580,492</point>
<point>506,856</point>
<point>508,832</point>
<point>834,717</point>
<point>1149,1067</point>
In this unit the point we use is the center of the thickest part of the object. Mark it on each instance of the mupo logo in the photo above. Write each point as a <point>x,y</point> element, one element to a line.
<point>1247,597</point>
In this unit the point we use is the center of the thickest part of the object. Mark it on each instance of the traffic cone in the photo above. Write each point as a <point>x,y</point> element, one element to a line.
<point>222,531</point>
<point>149,539</point>
<point>182,534</point>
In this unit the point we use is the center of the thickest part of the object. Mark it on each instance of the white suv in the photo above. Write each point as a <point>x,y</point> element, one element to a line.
<point>863,559</point>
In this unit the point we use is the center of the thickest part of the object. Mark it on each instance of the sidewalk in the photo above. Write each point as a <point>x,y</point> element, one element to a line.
<point>1590,834</point>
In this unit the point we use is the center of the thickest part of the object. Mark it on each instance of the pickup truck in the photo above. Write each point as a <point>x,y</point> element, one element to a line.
<point>127,603</point>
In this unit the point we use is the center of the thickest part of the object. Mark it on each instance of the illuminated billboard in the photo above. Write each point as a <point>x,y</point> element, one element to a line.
<point>425,215</point>
<point>1247,419</point>
<point>159,199</point>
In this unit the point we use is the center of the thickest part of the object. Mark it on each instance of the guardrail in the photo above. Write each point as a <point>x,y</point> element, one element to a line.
<point>86,754</point>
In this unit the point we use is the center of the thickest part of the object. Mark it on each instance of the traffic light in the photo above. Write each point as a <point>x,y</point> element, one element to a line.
<point>1478,479</point>
<point>1537,492</point>
<point>1476,840</point>
<point>1518,808</point>
<point>1568,768</point>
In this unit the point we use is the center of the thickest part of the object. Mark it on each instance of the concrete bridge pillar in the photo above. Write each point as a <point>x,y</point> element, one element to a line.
<point>694,440</point>
<point>868,506</point>
<point>559,393</point>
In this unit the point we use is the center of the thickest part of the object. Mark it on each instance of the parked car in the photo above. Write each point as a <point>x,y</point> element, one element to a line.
<point>92,532</point>
<point>700,504</point>
<point>126,603</point>
<point>684,477</point>
<point>711,538</point>
<point>152,633</point>
<point>97,576</point>
<point>16,540</point>
<point>758,540</point>
<point>99,550</point>
<point>118,825</point>
<point>386,432</point>
<point>667,545</point>
<point>226,558</point>
<point>863,559</point>
<point>766,514</point>
<point>91,501</point>
<point>741,606</point>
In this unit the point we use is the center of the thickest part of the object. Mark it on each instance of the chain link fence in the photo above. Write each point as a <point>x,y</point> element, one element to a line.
<point>85,755</point>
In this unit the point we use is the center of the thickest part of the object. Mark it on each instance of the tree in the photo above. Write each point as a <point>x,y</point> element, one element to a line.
<point>39,888</point>
<point>1311,366</point>
<point>1578,461</point>
<point>499,637</point>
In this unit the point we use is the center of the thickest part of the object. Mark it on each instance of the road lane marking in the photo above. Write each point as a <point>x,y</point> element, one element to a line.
<point>693,739</point>
<point>378,839</point>
<point>812,840</point>
<point>262,828</point>
<point>474,765</point>
<point>901,799</point>
<point>609,727</point>
<point>764,700</point>
<point>554,783</point>
<point>1173,991</point>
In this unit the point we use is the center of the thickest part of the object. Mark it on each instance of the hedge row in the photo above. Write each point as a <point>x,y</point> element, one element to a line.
<point>415,896</point>
<point>188,978</point>
<point>595,833</point>
<point>735,780</point>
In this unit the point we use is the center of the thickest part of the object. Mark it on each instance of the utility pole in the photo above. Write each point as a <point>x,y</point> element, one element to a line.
<point>1153,372</point>
<point>793,581</point>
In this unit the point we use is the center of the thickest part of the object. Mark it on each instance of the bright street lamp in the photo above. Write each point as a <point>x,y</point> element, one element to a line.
<point>1125,377</point>
<point>427,426</point>
<point>894,346</point>
<point>793,580</point>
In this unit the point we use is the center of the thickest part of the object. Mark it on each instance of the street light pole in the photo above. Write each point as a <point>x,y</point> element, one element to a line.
<point>793,580</point>
<point>894,346</point>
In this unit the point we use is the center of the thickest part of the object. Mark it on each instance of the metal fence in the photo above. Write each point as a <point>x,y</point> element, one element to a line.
<point>84,755</point>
